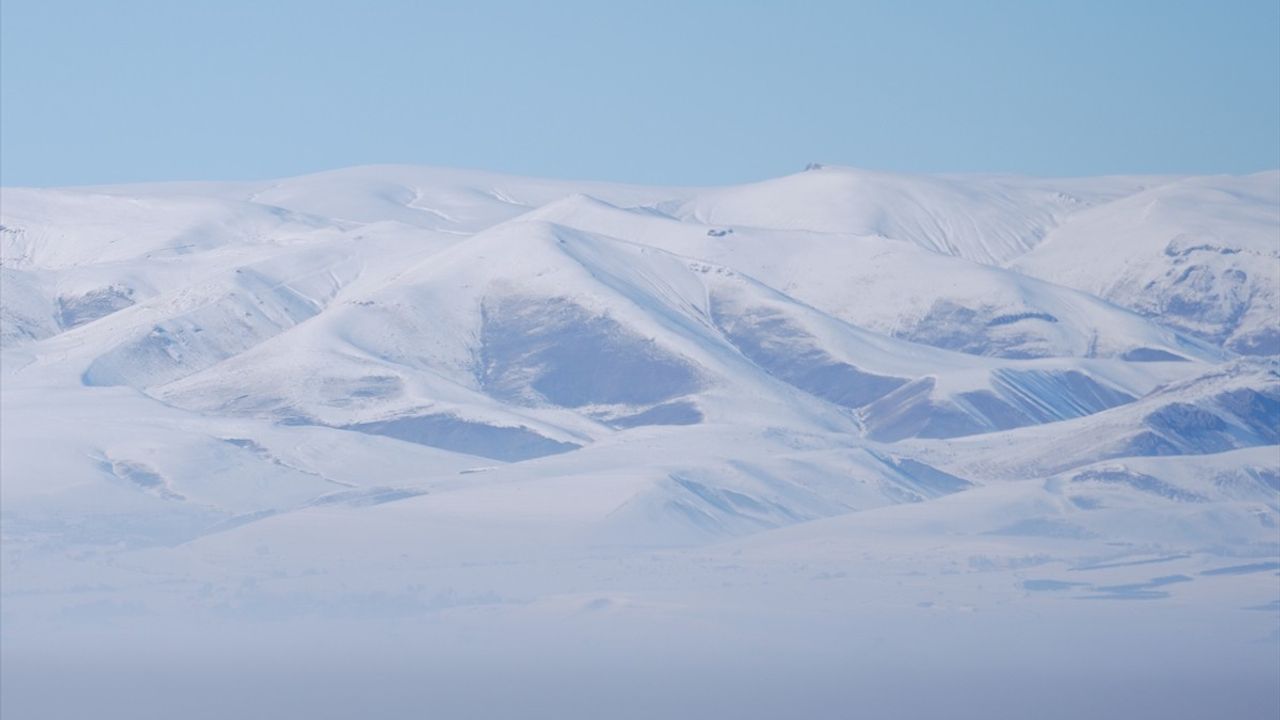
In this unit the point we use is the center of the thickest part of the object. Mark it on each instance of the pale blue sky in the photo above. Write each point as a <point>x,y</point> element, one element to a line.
<point>652,91</point>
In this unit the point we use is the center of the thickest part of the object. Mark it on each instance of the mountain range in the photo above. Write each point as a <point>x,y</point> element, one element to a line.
<point>426,392</point>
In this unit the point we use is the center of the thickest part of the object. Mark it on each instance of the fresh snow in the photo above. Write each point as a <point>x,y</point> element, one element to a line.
<point>842,443</point>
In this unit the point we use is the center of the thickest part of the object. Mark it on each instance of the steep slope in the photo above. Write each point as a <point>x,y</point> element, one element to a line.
<point>72,257</point>
<point>759,355</point>
<point>1228,407</point>
<point>899,289</point>
<point>526,318</point>
<point>1201,255</point>
<point>562,327</point>
<point>437,418</point>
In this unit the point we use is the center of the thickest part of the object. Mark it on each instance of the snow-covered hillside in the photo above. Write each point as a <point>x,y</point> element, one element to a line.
<point>468,400</point>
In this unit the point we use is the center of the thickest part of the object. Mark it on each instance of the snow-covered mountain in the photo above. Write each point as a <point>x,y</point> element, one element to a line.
<point>338,391</point>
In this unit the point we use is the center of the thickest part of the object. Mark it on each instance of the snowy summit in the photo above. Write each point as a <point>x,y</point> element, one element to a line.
<point>486,410</point>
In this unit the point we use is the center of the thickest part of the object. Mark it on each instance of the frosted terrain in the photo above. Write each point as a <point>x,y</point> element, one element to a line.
<point>412,442</point>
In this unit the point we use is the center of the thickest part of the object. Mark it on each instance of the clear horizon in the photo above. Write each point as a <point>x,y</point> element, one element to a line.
<point>650,93</point>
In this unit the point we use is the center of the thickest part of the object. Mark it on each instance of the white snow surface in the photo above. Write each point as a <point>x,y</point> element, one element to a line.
<point>384,438</point>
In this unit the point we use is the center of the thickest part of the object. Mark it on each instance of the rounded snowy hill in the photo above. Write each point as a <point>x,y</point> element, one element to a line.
<point>406,391</point>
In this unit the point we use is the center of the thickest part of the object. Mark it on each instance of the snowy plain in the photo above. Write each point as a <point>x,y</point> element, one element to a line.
<point>397,441</point>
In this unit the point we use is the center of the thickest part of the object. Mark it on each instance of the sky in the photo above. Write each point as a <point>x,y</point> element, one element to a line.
<point>655,92</point>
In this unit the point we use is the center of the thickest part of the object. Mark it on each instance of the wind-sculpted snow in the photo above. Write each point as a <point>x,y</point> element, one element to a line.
<point>1201,255</point>
<point>1016,398</point>
<point>550,349</point>
<point>77,310</point>
<point>193,341</point>
<point>509,444</point>
<point>924,480</point>
<point>25,312</point>
<point>892,287</point>
<point>679,412</point>
<point>1223,409</point>
<point>819,433</point>
<point>1227,420</point>
<point>785,350</point>
<point>987,219</point>
<point>1137,481</point>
